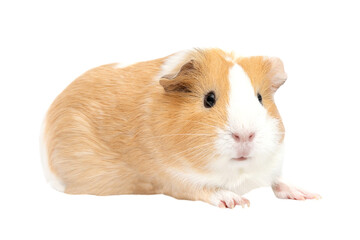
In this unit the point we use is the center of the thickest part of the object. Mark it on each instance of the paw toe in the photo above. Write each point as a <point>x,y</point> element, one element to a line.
<point>228,199</point>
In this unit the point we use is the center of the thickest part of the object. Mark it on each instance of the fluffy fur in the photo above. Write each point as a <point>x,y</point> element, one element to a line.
<point>143,129</point>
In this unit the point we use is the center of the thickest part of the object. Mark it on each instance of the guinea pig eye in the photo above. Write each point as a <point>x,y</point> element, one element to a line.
<point>259,97</point>
<point>209,100</point>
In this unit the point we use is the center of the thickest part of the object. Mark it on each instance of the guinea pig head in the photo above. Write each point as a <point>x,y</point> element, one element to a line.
<point>219,110</point>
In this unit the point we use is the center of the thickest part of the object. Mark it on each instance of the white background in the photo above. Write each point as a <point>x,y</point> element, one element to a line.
<point>45,45</point>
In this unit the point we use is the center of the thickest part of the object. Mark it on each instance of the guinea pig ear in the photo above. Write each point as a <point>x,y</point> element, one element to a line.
<point>179,81</point>
<point>276,73</point>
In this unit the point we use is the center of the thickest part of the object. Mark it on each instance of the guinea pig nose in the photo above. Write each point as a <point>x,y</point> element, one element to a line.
<point>251,136</point>
<point>236,137</point>
<point>243,137</point>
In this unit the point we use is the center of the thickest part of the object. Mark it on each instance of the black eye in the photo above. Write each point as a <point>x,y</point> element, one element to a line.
<point>209,100</point>
<point>259,98</point>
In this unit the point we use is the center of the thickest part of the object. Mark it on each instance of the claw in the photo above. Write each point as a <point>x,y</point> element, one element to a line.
<point>228,199</point>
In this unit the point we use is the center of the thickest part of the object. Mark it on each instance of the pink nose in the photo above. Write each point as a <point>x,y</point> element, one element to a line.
<point>243,137</point>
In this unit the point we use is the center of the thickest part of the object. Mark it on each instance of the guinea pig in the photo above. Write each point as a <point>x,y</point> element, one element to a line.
<point>199,124</point>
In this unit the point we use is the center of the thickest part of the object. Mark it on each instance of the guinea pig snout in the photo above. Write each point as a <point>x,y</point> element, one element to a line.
<point>243,138</point>
<point>243,144</point>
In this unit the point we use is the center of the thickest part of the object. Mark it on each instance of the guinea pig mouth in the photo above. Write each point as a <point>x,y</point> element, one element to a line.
<point>240,159</point>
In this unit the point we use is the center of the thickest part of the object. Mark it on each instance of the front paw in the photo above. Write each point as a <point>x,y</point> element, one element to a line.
<point>228,199</point>
<point>285,191</point>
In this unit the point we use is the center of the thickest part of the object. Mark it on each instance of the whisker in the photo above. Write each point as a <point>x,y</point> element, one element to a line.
<point>203,154</point>
<point>185,134</point>
<point>205,124</point>
<point>188,149</point>
<point>200,154</point>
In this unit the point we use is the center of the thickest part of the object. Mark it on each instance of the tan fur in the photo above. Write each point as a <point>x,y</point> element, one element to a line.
<point>117,131</point>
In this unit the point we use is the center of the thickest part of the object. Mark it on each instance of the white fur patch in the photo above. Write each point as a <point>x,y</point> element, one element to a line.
<point>122,65</point>
<point>244,110</point>
<point>51,178</point>
<point>173,62</point>
<point>229,59</point>
<point>238,178</point>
